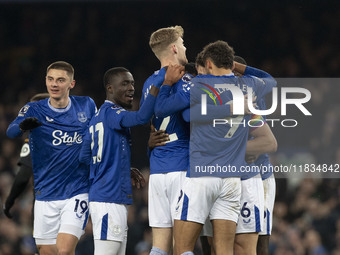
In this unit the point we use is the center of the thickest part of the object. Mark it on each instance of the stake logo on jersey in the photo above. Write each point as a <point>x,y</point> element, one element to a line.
<point>61,137</point>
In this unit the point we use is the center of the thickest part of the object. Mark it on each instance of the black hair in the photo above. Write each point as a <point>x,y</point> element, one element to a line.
<point>220,53</point>
<point>113,72</point>
<point>191,68</point>
<point>240,60</point>
<point>199,59</point>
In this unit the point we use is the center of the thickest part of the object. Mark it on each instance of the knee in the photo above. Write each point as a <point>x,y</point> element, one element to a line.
<point>47,249</point>
<point>64,251</point>
<point>244,250</point>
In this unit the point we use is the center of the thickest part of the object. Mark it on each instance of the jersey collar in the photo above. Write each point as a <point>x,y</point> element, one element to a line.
<point>60,109</point>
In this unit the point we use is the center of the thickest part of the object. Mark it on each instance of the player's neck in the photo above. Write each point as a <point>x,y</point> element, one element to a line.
<point>220,71</point>
<point>59,103</point>
<point>169,60</point>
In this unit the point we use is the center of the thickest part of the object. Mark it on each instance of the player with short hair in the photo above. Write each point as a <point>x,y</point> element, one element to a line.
<point>250,220</point>
<point>217,197</point>
<point>168,163</point>
<point>107,149</point>
<point>57,126</point>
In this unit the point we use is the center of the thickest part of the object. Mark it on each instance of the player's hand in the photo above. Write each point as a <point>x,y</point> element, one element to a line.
<point>7,206</point>
<point>29,124</point>
<point>251,158</point>
<point>173,74</point>
<point>137,179</point>
<point>157,138</point>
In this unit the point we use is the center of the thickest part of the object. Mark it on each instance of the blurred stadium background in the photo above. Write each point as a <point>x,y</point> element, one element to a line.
<point>285,38</point>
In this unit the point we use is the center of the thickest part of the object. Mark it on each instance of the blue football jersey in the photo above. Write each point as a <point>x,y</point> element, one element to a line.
<point>219,150</point>
<point>107,147</point>
<point>55,146</point>
<point>174,156</point>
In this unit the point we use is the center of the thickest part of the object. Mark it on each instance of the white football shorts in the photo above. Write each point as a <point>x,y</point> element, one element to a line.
<point>62,216</point>
<point>109,221</point>
<point>164,190</point>
<point>252,203</point>
<point>218,198</point>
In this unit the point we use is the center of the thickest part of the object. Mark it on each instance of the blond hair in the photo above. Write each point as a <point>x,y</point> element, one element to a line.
<point>163,37</point>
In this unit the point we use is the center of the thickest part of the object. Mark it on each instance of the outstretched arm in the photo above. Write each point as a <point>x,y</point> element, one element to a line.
<point>129,119</point>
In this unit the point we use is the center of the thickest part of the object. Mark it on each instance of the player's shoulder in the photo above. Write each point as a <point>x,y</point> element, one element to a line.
<point>81,99</point>
<point>84,102</point>
<point>112,107</point>
<point>251,79</point>
<point>30,106</point>
<point>151,78</point>
<point>201,79</point>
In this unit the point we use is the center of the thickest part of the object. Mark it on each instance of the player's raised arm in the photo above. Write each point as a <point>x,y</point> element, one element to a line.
<point>172,75</point>
<point>167,104</point>
<point>265,82</point>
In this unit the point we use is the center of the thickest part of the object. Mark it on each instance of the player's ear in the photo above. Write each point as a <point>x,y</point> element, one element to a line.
<point>174,48</point>
<point>73,83</point>
<point>109,88</point>
<point>208,64</point>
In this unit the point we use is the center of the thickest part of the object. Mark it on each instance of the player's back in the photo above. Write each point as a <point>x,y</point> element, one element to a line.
<point>110,157</point>
<point>219,147</point>
<point>174,156</point>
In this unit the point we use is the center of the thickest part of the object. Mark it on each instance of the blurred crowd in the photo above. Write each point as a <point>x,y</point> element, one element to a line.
<point>284,39</point>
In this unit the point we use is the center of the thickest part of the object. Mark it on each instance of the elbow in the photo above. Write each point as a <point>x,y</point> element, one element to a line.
<point>9,133</point>
<point>142,120</point>
<point>159,113</point>
<point>273,147</point>
<point>13,131</point>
